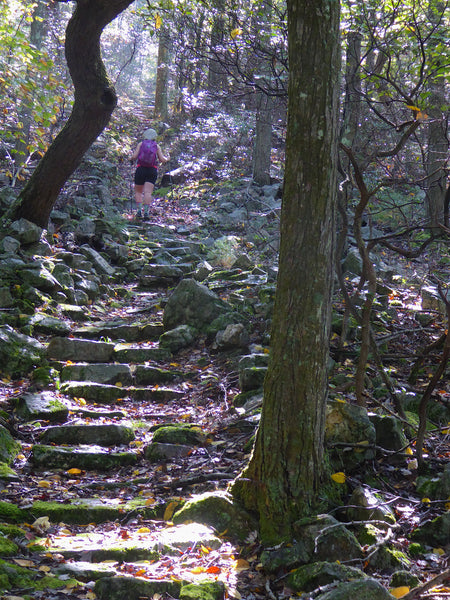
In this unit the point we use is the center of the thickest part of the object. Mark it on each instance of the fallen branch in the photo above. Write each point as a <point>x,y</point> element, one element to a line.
<point>421,589</point>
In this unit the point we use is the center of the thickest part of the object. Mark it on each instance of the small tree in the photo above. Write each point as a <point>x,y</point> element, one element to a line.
<point>286,470</point>
<point>95,100</point>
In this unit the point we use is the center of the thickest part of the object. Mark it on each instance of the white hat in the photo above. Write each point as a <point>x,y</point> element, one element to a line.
<point>150,134</point>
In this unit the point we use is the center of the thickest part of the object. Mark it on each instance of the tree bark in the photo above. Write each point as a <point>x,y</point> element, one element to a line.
<point>95,100</point>
<point>286,470</point>
<point>162,76</point>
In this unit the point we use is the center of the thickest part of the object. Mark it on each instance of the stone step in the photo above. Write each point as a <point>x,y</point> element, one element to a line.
<point>100,435</point>
<point>82,511</point>
<point>89,458</point>
<point>109,394</point>
<point>131,353</point>
<point>136,546</point>
<point>116,373</point>
<point>120,331</point>
<point>62,348</point>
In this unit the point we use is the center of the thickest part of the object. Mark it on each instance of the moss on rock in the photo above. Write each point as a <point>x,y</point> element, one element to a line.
<point>309,577</point>
<point>204,590</point>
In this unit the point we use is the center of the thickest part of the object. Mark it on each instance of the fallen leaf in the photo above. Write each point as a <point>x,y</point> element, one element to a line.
<point>170,509</point>
<point>23,562</point>
<point>197,570</point>
<point>241,565</point>
<point>75,471</point>
<point>338,477</point>
<point>400,591</point>
<point>213,569</point>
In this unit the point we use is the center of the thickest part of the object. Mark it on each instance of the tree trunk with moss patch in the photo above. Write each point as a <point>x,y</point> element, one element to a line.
<point>284,477</point>
<point>95,100</point>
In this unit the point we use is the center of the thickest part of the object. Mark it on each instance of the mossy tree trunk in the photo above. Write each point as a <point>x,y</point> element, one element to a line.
<point>286,471</point>
<point>95,100</point>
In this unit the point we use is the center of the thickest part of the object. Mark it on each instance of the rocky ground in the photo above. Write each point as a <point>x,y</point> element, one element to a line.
<point>133,356</point>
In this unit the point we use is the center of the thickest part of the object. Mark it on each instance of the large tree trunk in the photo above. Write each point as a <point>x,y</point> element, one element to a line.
<point>285,473</point>
<point>95,100</point>
<point>262,148</point>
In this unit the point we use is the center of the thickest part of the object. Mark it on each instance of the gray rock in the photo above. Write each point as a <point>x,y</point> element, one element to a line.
<point>9,245</point>
<point>48,325</point>
<point>9,448</point>
<point>233,336</point>
<point>252,378</point>
<point>77,349</point>
<point>389,432</point>
<point>44,405</point>
<point>192,303</point>
<point>121,587</point>
<point>18,353</point>
<point>6,299</point>
<point>434,533</point>
<point>139,354</point>
<point>348,423</point>
<point>98,373</point>
<point>85,228</point>
<point>364,506</point>
<point>158,451</point>
<point>40,278</point>
<point>81,457</point>
<point>367,589</point>
<point>309,577</point>
<point>102,435</point>
<point>352,263</point>
<point>25,231</point>
<point>100,264</point>
<point>180,337</point>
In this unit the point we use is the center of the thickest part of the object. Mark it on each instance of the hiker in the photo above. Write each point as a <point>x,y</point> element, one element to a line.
<point>147,154</point>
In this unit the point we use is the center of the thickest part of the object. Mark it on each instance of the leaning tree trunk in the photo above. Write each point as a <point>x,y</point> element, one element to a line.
<point>95,100</point>
<point>284,477</point>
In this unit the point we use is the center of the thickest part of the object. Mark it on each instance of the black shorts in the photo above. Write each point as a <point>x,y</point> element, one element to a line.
<point>144,174</point>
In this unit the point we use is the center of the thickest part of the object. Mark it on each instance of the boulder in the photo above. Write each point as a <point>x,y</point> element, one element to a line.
<point>367,589</point>
<point>25,231</point>
<point>178,338</point>
<point>18,353</point>
<point>63,349</point>
<point>192,303</point>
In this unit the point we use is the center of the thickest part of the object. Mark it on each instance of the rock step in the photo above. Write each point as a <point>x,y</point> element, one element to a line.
<point>92,351</point>
<point>82,511</point>
<point>116,373</point>
<point>109,394</point>
<point>120,331</point>
<point>100,435</point>
<point>91,457</point>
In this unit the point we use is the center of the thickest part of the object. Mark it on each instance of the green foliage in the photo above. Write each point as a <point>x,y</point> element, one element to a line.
<point>31,91</point>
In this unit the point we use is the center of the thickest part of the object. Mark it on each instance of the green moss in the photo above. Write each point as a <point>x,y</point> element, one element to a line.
<point>13,576</point>
<point>204,590</point>
<point>415,549</point>
<point>7,547</point>
<point>12,513</point>
<point>11,530</point>
<point>179,433</point>
<point>6,472</point>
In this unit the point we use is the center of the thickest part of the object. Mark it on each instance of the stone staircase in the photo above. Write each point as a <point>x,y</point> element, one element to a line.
<point>104,439</point>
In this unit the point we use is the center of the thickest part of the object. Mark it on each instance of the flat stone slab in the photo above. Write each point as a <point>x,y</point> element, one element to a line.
<point>144,375</point>
<point>102,435</point>
<point>109,394</point>
<point>121,331</point>
<point>82,511</point>
<point>61,348</point>
<point>159,451</point>
<point>44,405</point>
<point>93,458</point>
<point>129,353</point>
<point>109,373</point>
<point>137,545</point>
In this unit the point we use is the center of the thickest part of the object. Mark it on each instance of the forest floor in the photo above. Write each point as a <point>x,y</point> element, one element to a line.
<point>208,385</point>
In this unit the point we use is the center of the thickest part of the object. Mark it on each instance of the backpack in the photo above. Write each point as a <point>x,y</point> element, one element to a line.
<point>147,154</point>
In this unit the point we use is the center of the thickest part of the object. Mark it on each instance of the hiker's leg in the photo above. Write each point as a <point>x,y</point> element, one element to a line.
<point>138,196</point>
<point>148,192</point>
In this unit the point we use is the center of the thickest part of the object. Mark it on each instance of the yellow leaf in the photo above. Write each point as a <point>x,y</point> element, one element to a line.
<point>197,570</point>
<point>235,33</point>
<point>409,451</point>
<point>400,591</point>
<point>144,530</point>
<point>43,483</point>
<point>241,565</point>
<point>158,21</point>
<point>426,500</point>
<point>23,563</point>
<point>204,549</point>
<point>90,596</point>
<point>118,384</point>
<point>150,501</point>
<point>41,524</point>
<point>439,551</point>
<point>170,509</point>
<point>44,568</point>
<point>74,471</point>
<point>412,107</point>
<point>338,477</point>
